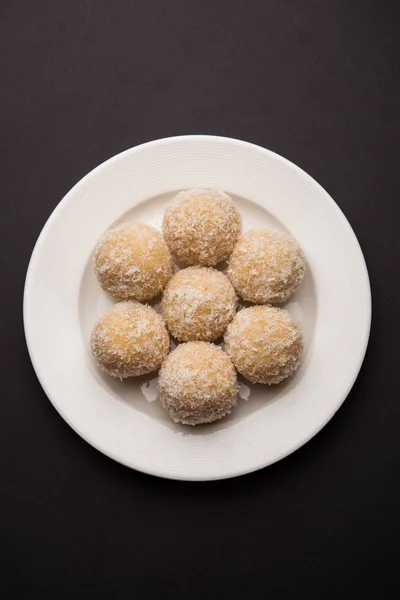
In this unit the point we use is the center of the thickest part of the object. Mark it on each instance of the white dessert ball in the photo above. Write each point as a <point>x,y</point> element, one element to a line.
<point>198,304</point>
<point>129,340</point>
<point>266,266</point>
<point>201,226</point>
<point>265,344</point>
<point>133,262</point>
<point>197,384</point>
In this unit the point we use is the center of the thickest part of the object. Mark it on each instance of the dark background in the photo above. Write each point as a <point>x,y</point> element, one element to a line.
<point>315,81</point>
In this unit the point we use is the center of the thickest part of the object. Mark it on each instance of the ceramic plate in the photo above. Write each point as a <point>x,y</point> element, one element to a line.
<point>124,420</point>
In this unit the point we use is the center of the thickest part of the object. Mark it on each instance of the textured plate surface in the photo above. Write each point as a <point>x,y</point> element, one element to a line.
<point>123,419</point>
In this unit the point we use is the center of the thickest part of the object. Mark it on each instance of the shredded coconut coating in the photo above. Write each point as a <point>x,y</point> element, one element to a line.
<point>266,266</point>
<point>197,384</point>
<point>198,304</point>
<point>201,226</point>
<point>265,344</point>
<point>133,262</point>
<point>129,340</point>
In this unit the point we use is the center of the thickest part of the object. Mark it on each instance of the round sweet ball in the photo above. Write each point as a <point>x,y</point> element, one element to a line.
<point>133,262</point>
<point>266,266</point>
<point>265,344</point>
<point>129,340</point>
<point>198,304</point>
<point>201,226</point>
<point>197,384</point>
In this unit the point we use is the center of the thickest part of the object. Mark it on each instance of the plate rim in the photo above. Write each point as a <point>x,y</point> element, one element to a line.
<point>54,214</point>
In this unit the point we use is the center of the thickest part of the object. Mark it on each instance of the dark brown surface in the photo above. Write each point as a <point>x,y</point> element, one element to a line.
<point>317,82</point>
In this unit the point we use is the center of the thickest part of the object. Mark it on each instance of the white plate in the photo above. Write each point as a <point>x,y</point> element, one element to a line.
<point>124,419</point>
